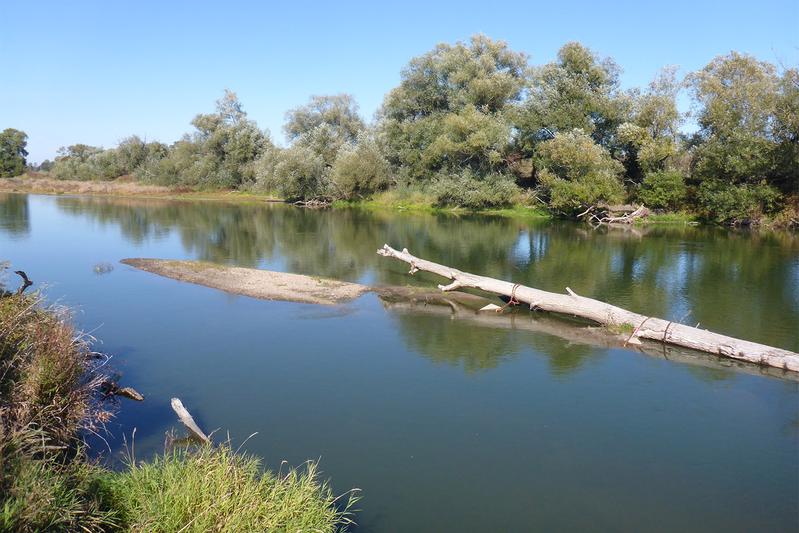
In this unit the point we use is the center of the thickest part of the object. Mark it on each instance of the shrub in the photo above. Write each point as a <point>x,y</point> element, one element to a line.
<point>736,204</point>
<point>465,190</point>
<point>299,173</point>
<point>359,169</point>
<point>577,173</point>
<point>665,189</point>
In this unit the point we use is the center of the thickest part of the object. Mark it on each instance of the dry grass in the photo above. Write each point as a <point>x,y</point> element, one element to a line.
<point>45,185</point>
<point>49,380</point>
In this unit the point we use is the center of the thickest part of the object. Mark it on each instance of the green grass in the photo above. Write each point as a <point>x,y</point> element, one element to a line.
<point>215,489</point>
<point>414,201</point>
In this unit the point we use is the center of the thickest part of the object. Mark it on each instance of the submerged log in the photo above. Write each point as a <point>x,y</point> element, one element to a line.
<point>643,327</point>
<point>185,417</point>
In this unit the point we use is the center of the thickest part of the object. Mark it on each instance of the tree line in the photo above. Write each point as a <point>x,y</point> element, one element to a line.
<point>473,124</point>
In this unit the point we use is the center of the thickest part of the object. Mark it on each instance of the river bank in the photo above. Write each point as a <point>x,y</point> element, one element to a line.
<point>52,386</point>
<point>391,200</point>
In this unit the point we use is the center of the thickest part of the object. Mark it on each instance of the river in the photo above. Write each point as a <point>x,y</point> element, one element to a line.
<point>445,424</point>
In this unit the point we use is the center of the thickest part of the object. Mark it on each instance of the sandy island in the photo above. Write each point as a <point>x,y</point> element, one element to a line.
<point>263,284</point>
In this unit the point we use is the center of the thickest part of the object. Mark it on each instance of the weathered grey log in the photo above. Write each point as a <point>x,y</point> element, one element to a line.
<point>605,314</point>
<point>185,417</point>
<point>577,333</point>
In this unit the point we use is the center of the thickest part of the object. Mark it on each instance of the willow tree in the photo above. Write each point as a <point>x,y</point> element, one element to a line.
<point>579,90</point>
<point>450,111</point>
<point>219,154</point>
<point>746,128</point>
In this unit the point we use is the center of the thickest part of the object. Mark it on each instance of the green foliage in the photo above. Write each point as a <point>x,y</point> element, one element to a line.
<point>576,173</point>
<point>664,189</point>
<point>83,162</point>
<point>12,152</point>
<point>447,112</point>
<point>41,492</point>
<point>296,173</point>
<point>748,128</point>
<point>743,204</point>
<point>360,169</point>
<point>578,91</point>
<point>339,112</point>
<point>464,189</point>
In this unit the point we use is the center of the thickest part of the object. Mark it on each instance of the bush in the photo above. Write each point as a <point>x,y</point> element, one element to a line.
<point>736,204</point>
<point>465,190</point>
<point>577,173</point>
<point>359,169</point>
<point>665,189</point>
<point>298,173</point>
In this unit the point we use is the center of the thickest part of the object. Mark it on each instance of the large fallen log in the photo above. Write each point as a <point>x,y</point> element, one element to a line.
<point>570,331</point>
<point>643,327</point>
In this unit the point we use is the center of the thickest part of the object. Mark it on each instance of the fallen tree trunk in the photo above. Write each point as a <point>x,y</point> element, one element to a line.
<point>572,332</point>
<point>641,326</point>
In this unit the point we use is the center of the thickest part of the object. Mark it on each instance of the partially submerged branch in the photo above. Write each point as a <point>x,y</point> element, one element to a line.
<point>185,417</point>
<point>642,327</point>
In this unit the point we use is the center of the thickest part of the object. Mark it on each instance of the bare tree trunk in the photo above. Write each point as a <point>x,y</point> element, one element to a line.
<point>608,315</point>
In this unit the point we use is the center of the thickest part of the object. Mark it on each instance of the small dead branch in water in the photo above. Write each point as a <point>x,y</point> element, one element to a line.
<point>25,281</point>
<point>314,203</point>
<point>601,215</point>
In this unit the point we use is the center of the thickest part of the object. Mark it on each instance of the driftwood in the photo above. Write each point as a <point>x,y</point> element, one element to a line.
<point>112,388</point>
<point>185,417</point>
<point>641,327</point>
<point>25,281</point>
<point>572,332</point>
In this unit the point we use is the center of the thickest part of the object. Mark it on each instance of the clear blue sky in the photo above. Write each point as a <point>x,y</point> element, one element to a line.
<point>95,72</point>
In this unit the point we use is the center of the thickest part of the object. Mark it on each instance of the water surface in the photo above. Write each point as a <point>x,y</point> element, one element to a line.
<point>446,425</point>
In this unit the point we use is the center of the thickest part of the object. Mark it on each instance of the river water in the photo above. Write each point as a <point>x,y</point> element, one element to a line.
<point>445,423</point>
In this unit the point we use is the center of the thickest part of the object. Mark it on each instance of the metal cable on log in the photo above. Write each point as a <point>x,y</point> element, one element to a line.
<point>645,327</point>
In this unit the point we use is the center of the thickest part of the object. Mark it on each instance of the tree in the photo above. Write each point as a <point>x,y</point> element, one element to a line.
<point>578,91</point>
<point>360,169</point>
<point>221,153</point>
<point>577,173</point>
<point>449,111</point>
<point>339,112</point>
<point>649,140</point>
<point>744,149</point>
<point>12,152</point>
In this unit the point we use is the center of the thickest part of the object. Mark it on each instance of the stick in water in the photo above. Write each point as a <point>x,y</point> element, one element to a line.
<point>185,417</point>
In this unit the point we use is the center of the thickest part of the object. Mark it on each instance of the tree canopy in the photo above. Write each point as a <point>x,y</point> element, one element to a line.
<point>12,152</point>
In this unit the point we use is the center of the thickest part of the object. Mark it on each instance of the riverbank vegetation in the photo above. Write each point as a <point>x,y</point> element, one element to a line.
<point>50,397</point>
<point>475,125</point>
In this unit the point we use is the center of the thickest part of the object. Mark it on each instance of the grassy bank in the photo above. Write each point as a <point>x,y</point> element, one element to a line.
<point>411,201</point>
<point>50,396</point>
